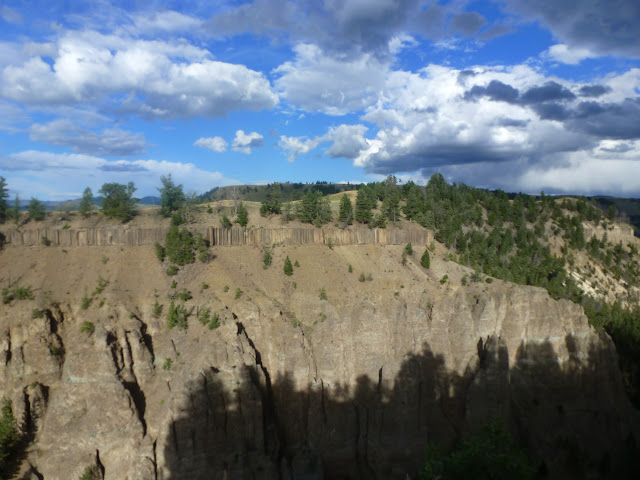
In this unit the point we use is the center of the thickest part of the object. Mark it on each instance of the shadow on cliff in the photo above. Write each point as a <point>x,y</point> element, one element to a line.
<point>572,418</point>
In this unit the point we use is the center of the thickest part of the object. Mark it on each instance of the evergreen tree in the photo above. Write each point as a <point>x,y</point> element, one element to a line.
<point>8,432</point>
<point>118,200</point>
<point>363,206</point>
<point>171,196</point>
<point>288,268</point>
<point>243,215</point>
<point>179,245</point>
<point>36,209</point>
<point>86,204</point>
<point>346,210</point>
<point>309,207</point>
<point>425,261</point>
<point>273,202</point>
<point>4,206</point>
<point>391,205</point>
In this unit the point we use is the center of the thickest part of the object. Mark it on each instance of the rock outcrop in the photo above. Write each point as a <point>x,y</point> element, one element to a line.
<point>293,386</point>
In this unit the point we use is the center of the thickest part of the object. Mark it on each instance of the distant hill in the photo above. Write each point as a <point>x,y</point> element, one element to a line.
<point>628,209</point>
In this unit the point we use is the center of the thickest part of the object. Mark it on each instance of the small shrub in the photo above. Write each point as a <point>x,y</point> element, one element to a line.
<point>66,226</point>
<point>102,283</point>
<point>226,223</point>
<point>396,294</point>
<point>238,293</point>
<point>204,315</point>
<point>161,253</point>
<point>174,285</point>
<point>101,304</point>
<point>214,322</point>
<point>296,264</point>
<point>167,364</point>
<point>464,280</point>
<point>88,327</point>
<point>362,278</point>
<point>408,249</point>
<point>369,277</point>
<point>172,270</point>
<point>23,293</point>
<point>105,259</point>
<point>330,243</point>
<point>295,285</point>
<point>350,268</point>
<point>323,294</point>
<point>488,280</point>
<point>444,279</point>
<point>288,268</point>
<point>37,313</point>
<point>404,259</point>
<point>157,310</point>
<point>45,241</point>
<point>209,210</point>
<point>204,286</point>
<point>432,246</point>
<point>266,259</point>
<point>425,261</point>
<point>86,300</point>
<point>226,288</point>
<point>185,295</point>
<point>55,351</point>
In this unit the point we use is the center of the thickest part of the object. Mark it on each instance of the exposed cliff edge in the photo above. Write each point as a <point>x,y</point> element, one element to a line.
<point>291,385</point>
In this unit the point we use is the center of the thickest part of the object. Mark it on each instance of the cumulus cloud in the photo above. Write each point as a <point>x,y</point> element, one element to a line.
<point>333,84</point>
<point>109,142</point>
<point>244,142</point>
<point>564,54</point>
<point>604,27</point>
<point>157,79</point>
<point>217,144</point>
<point>346,142</point>
<point>53,173</point>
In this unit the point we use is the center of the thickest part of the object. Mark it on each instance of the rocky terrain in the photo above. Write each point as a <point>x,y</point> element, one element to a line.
<point>349,368</point>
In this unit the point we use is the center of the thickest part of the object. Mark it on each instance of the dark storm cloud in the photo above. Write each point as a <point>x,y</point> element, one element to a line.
<point>607,27</point>
<point>608,120</point>
<point>552,111</point>
<point>496,91</point>
<point>594,91</point>
<point>550,91</point>
<point>348,25</point>
<point>468,23</point>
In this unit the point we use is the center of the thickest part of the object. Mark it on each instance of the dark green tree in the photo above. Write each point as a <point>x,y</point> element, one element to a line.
<point>425,261</point>
<point>226,223</point>
<point>4,205</point>
<point>36,209</point>
<point>86,204</point>
<point>273,202</point>
<point>346,210</point>
<point>243,215</point>
<point>391,205</point>
<point>8,432</point>
<point>118,200</point>
<point>288,268</point>
<point>179,245</point>
<point>363,206</point>
<point>171,196</point>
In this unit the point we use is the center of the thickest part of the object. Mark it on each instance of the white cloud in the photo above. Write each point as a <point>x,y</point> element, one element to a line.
<point>295,146</point>
<point>332,84</point>
<point>347,142</point>
<point>46,174</point>
<point>10,15</point>
<point>154,78</point>
<point>110,142</point>
<point>244,142</point>
<point>168,21</point>
<point>217,144</point>
<point>565,54</point>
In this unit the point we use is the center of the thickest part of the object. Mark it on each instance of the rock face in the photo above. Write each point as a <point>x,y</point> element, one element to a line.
<point>291,386</point>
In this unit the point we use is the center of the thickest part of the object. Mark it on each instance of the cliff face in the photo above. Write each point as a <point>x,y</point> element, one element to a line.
<point>291,385</point>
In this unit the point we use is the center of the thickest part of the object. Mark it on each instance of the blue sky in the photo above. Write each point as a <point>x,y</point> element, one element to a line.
<point>523,95</point>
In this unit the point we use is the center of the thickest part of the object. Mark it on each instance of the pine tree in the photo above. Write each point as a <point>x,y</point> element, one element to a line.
<point>4,194</point>
<point>391,205</point>
<point>425,261</point>
<point>346,210</point>
<point>118,200</point>
<point>363,206</point>
<point>36,209</point>
<point>9,436</point>
<point>86,204</point>
<point>288,268</point>
<point>243,215</point>
<point>171,196</point>
<point>273,202</point>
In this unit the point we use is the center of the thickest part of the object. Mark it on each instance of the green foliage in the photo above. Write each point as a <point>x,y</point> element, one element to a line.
<point>174,284</point>
<point>489,455</point>
<point>55,350</point>
<point>37,313</point>
<point>87,327</point>
<point>86,300</point>
<point>226,288</point>
<point>350,268</point>
<point>179,245</point>
<point>364,201</point>
<point>177,316</point>
<point>9,436</point>
<point>184,295</point>
<point>314,208</point>
<point>167,364</point>
<point>243,215</point>
<point>200,245</point>
<point>86,203</point>
<point>171,196</point>
<point>214,322</point>
<point>160,252</point>
<point>323,294</point>
<point>172,270</point>
<point>17,293</point>
<point>226,223</point>
<point>118,201</point>
<point>444,279</point>
<point>157,310</point>
<point>44,240</point>
<point>101,285</point>
<point>204,315</point>
<point>4,204</point>
<point>408,249</point>
<point>238,293</point>
<point>288,268</point>
<point>296,264</point>
<point>204,286</point>
<point>36,209</point>
<point>345,213</point>
<point>272,204</point>
<point>361,278</point>
<point>266,259</point>
<point>425,261</point>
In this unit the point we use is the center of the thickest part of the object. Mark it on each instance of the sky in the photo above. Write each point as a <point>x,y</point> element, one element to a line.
<point>523,95</point>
